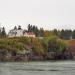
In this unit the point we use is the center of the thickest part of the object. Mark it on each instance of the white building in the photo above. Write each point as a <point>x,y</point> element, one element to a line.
<point>1,29</point>
<point>18,32</point>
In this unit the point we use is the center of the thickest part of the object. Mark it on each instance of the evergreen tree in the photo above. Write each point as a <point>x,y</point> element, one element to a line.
<point>33,29</point>
<point>62,34</point>
<point>65,34</point>
<point>36,31</point>
<point>41,32</point>
<point>73,34</point>
<point>15,28</point>
<point>3,32</point>
<point>55,32</point>
<point>29,28</point>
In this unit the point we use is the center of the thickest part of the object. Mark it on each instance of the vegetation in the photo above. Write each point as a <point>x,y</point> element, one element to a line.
<point>63,34</point>
<point>47,44</point>
<point>2,32</point>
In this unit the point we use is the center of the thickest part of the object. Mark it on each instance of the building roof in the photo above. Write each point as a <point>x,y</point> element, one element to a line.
<point>27,32</point>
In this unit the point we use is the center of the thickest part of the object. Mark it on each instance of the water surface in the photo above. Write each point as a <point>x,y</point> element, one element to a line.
<point>38,68</point>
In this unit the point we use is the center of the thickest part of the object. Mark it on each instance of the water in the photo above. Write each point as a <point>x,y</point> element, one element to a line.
<point>38,68</point>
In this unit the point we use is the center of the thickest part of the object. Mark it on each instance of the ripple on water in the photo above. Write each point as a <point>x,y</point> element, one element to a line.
<point>51,68</point>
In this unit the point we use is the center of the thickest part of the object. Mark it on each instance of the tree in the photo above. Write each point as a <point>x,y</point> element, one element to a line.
<point>41,32</point>
<point>15,28</point>
<point>33,29</point>
<point>55,32</point>
<point>68,34</point>
<point>29,28</point>
<point>57,46</point>
<point>47,33</point>
<point>73,34</point>
<point>65,34</point>
<point>45,42</point>
<point>3,32</point>
<point>36,31</point>
<point>37,47</point>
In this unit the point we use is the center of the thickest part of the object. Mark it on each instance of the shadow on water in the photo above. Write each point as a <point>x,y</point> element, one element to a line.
<point>35,70</point>
<point>32,68</point>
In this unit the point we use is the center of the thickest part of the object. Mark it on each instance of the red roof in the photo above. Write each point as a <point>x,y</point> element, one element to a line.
<point>30,33</point>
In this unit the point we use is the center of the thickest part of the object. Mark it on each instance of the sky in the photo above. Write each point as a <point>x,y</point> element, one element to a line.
<point>49,14</point>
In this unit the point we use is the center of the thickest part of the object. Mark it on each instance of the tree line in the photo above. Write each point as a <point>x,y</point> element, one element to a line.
<point>63,34</point>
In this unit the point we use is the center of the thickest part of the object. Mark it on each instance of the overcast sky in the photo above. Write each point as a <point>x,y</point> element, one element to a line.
<point>49,14</point>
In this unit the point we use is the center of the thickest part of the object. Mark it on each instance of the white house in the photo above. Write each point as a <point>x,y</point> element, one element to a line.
<point>1,29</point>
<point>18,32</point>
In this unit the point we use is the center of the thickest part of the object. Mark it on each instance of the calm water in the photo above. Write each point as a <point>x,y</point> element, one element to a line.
<point>38,68</point>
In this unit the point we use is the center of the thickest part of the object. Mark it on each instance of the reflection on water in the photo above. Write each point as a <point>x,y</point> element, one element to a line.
<point>38,68</point>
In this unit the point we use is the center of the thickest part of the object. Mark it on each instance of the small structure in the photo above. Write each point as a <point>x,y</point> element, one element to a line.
<point>18,32</point>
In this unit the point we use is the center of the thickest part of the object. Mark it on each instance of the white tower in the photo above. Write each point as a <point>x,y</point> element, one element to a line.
<point>0,26</point>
